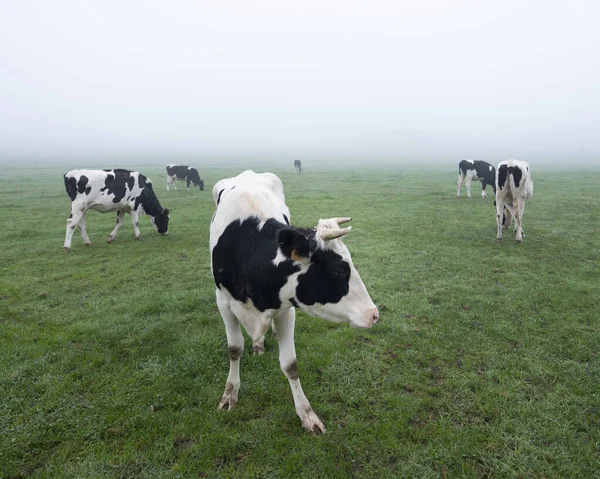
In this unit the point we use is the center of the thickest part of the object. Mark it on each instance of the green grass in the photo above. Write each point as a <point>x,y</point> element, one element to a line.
<point>484,364</point>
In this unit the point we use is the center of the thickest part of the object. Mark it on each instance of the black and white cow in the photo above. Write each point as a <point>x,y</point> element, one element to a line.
<point>298,166</point>
<point>513,187</point>
<point>183,173</point>
<point>117,190</point>
<point>478,170</point>
<point>264,268</point>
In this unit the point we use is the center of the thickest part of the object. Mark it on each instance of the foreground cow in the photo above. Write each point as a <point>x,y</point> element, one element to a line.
<point>478,170</point>
<point>298,166</point>
<point>183,173</point>
<point>117,190</point>
<point>264,268</point>
<point>513,186</point>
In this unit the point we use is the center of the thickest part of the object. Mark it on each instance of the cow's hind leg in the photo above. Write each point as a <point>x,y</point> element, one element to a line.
<point>86,239</point>
<point>287,360</point>
<point>483,185</point>
<point>235,344</point>
<point>120,218</point>
<point>519,209</point>
<point>499,218</point>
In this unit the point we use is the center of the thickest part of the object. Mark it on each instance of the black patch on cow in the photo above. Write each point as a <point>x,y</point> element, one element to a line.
<point>116,183</point>
<point>516,173</point>
<point>502,172</point>
<point>87,190</point>
<point>292,241</point>
<point>141,181</point>
<point>326,281</point>
<point>83,181</point>
<point>71,187</point>
<point>287,221</point>
<point>70,215</point>
<point>219,197</point>
<point>242,263</point>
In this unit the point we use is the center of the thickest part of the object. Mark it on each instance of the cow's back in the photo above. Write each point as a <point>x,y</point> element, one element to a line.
<point>247,195</point>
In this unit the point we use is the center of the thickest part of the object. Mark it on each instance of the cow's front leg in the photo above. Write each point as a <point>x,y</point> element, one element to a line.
<point>120,218</point>
<point>135,221</point>
<point>287,359</point>
<point>235,344</point>
<point>483,194</point>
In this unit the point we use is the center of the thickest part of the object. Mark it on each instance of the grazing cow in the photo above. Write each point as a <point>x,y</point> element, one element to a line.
<point>478,170</point>
<point>298,166</point>
<point>513,187</point>
<point>117,190</point>
<point>264,268</point>
<point>181,173</point>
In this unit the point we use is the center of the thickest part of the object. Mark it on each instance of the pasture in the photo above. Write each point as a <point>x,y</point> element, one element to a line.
<point>484,363</point>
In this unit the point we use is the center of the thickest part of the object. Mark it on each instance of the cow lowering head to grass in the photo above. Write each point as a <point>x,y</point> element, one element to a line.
<point>117,190</point>
<point>183,173</point>
<point>478,170</point>
<point>513,186</point>
<point>264,268</point>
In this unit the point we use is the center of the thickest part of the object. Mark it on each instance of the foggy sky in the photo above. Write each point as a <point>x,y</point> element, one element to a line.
<point>328,80</point>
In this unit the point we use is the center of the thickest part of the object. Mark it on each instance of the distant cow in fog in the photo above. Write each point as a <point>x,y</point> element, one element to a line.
<point>298,166</point>
<point>117,190</point>
<point>183,173</point>
<point>513,186</point>
<point>478,170</point>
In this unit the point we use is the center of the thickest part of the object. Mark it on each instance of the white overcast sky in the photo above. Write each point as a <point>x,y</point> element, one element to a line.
<point>368,80</point>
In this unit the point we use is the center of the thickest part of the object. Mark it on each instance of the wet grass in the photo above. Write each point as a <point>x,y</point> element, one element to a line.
<point>485,362</point>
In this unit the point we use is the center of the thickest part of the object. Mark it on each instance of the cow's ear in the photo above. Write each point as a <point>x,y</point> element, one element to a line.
<point>166,211</point>
<point>293,244</point>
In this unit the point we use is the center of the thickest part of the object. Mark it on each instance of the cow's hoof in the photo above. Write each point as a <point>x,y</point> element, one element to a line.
<point>110,239</point>
<point>312,423</point>
<point>230,398</point>
<point>499,239</point>
<point>67,250</point>
<point>88,244</point>
<point>139,238</point>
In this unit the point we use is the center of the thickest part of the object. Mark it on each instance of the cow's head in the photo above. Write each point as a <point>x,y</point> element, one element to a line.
<point>201,185</point>
<point>161,222</point>
<point>328,285</point>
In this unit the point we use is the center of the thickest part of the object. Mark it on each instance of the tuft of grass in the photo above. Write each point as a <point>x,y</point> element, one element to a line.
<point>484,364</point>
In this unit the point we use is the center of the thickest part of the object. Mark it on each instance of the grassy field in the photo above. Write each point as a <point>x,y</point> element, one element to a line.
<point>484,364</point>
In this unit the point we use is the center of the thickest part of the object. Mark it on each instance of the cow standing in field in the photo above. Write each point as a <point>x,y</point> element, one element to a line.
<point>183,173</point>
<point>513,187</point>
<point>298,166</point>
<point>478,170</point>
<point>264,268</point>
<point>117,190</point>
